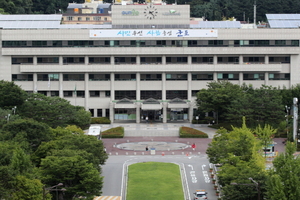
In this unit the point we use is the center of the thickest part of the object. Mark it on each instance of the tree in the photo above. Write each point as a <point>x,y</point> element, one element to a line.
<point>285,175</point>
<point>28,133</point>
<point>11,95</point>
<point>81,118</point>
<point>53,111</point>
<point>27,189</point>
<point>265,135</point>
<point>77,174</point>
<point>217,97</point>
<point>239,142</point>
<point>88,146</point>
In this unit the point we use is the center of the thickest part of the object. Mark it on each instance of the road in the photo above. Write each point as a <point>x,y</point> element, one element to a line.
<point>195,167</point>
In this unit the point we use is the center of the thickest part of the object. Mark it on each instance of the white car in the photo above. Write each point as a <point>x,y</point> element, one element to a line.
<point>200,194</point>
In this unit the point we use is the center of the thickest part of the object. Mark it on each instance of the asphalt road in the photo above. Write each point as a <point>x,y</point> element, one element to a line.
<point>195,169</point>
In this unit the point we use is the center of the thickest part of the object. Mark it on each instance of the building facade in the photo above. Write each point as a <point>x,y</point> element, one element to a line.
<point>149,64</point>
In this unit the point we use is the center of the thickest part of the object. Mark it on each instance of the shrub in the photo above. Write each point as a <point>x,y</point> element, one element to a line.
<point>117,132</point>
<point>186,132</point>
<point>100,120</point>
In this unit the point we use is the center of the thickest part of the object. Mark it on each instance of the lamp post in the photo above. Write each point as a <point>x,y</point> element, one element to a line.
<point>253,184</point>
<point>14,109</point>
<point>7,117</point>
<point>257,187</point>
<point>287,119</point>
<point>53,188</point>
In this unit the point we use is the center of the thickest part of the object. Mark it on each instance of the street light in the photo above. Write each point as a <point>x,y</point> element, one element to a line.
<point>14,109</point>
<point>7,117</point>
<point>287,119</point>
<point>53,188</point>
<point>254,183</point>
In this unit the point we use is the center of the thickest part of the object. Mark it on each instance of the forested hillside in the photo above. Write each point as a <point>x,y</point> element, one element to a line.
<point>242,10</point>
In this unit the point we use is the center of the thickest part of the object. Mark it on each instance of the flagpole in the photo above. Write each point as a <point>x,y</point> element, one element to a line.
<point>75,94</point>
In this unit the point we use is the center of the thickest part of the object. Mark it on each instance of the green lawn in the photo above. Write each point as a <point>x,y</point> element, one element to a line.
<point>154,180</point>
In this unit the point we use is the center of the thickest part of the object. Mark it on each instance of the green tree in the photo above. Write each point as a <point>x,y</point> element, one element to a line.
<point>89,147</point>
<point>79,176</point>
<point>11,95</point>
<point>27,189</point>
<point>53,111</point>
<point>217,97</point>
<point>239,142</point>
<point>81,118</point>
<point>28,133</point>
<point>265,135</point>
<point>285,175</point>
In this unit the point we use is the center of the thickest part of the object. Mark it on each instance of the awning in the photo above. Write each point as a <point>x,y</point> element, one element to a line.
<point>151,106</point>
<point>124,105</point>
<point>178,105</point>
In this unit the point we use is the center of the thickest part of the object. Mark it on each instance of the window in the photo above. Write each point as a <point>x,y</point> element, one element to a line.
<point>253,77</point>
<point>172,94</point>
<point>280,42</point>
<point>94,93</point>
<point>54,93</point>
<point>129,94</point>
<point>222,76</point>
<point>22,77</point>
<point>87,19</point>
<point>21,60</point>
<point>80,94</point>
<point>45,77</point>
<point>79,19</point>
<point>196,77</point>
<point>176,77</point>
<point>69,18</point>
<point>97,18</point>
<point>41,60</point>
<point>155,94</point>
<point>73,77</point>
<point>68,93</point>
<point>99,77</point>
<point>279,76</point>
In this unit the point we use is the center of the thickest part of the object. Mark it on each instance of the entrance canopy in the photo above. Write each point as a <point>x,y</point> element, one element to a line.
<point>125,103</point>
<point>177,104</point>
<point>151,104</point>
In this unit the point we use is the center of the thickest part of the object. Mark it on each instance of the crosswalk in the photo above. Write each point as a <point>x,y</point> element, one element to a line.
<point>108,198</point>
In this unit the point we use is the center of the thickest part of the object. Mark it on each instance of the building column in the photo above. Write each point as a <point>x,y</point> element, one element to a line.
<point>215,60</point>
<point>189,60</point>
<point>112,95</point>
<point>34,60</point>
<point>104,113</point>
<point>266,59</point>
<point>86,91</point>
<point>86,60</point>
<point>112,60</point>
<point>163,60</point>
<point>215,76</point>
<point>60,60</point>
<point>164,97</point>
<point>241,78</point>
<point>35,86</point>
<point>138,98</point>
<point>61,92</point>
<point>138,60</point>
<point>241,59</point>
<point>190,113</point>
<point>266,78</point>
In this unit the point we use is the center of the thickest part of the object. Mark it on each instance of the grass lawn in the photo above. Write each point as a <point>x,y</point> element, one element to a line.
<point>154,180</point>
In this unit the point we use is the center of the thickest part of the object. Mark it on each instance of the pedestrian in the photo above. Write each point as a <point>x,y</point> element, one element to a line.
<point>194,146</point>
<point>147,148</point>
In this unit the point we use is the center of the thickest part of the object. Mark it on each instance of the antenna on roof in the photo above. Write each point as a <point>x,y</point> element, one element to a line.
<point>254,20</point>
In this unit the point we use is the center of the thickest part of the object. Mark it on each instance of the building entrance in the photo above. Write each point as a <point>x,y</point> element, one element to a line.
<point>153,115</point>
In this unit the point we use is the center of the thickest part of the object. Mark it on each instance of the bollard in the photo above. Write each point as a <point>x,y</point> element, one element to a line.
<point>117,153</point>
<point>191,153</point>
<point>134,153</point>
<point>163,153</point>
<point>142,153</point>
<point>152,140</point>
<point>188,142</point>
<point>193,149</point>
<point>172,153</point>
<point>127,140</point>
<point>114,145</point>
<point>182,153</point>
<point>199,152</point>
<point>168,149</point>
<point>109,153</point>
<point>176,140</point>
<point>126,153</point>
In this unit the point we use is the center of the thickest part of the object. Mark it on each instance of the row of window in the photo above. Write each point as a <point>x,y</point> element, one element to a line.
<point>151,77</point>
<point>130,94</point>
<point>150,60</point>
<point>152,43</point>
<point>95,18</point>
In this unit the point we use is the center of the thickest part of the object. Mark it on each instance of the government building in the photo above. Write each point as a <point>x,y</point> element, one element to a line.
<point>149,62</point>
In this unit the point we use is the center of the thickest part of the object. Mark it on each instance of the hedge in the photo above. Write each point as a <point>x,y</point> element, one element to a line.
<point>117,132</point>
<point>100,120</point>
<point>187,132</point>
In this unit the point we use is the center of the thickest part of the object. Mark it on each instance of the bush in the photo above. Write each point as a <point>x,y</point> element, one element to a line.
<point>100,120</point>
<point>117,132</point>
<point>186,132</point>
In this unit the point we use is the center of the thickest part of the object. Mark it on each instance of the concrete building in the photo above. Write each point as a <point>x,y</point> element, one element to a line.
<point>150,62</point>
